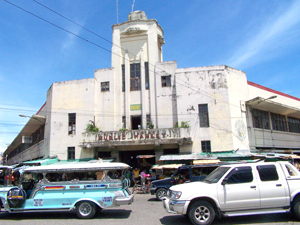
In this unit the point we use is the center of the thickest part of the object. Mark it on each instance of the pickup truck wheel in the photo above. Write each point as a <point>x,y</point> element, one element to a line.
<point>296,209</point>
<point>85,210</point>
<point>201,212</point>
<point>161,193</point>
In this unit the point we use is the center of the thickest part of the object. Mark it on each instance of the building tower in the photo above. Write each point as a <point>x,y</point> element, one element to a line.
<point>137,46</point>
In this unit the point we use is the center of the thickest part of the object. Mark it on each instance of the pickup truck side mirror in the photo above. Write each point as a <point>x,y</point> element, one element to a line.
<point>224,181</point>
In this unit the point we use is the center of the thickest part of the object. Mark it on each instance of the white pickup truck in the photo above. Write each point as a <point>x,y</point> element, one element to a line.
<point>238,190</point>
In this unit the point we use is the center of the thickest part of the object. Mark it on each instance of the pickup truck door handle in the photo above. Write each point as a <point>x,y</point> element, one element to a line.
<point>252,186</point>
<point>278,185</point>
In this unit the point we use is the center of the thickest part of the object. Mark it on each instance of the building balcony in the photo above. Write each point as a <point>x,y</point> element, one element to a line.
<point>155,137</point>
<point>34,152</point>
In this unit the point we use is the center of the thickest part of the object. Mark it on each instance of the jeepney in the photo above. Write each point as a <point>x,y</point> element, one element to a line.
<point>5,176</point>
<point>81,187</point>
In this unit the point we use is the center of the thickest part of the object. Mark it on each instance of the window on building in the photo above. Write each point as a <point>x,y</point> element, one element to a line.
<point>71,153</point>
<point>123,78</point>
<point>166,81</point>
<point>135,77</point>
<point>205,146</point>
<point>278,122</point>
<point>260,119</point>
<point>123,122</point>
<point>149,122</point>
<point>147,75</point>
<point>72,123</point>
<point>294,125</point>
<point>203,115</point>
<point>104,86</point>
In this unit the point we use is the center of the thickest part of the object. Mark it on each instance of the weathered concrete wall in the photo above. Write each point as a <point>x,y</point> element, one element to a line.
<point>166,96</point>
<point>220,88</point>
<point>66,97</point>
<point>237,92</point>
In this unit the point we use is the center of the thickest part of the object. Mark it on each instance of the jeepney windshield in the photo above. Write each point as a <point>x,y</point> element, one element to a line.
<point>216,175</point>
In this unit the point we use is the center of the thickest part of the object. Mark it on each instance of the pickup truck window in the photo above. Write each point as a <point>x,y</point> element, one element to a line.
<point>216,175</point>
<point>240,175</point>
<point>196,171</point>
<point>267,172</point>
<point>291,170</point>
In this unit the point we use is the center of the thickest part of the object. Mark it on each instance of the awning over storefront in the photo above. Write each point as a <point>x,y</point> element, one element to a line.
<point>185,157</point>
<point>41,162</point>
<point>34,123</point>
<point>167,166</point>
<point>274,107</point>
<point>145,156</point>
<point>209,161</point>
<point>205,157</point>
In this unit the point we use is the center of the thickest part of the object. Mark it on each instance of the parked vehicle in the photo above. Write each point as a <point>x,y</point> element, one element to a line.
<point>82,187</point>
<point>185,173</point>
<point>5,176</point>
<point>238,190</point>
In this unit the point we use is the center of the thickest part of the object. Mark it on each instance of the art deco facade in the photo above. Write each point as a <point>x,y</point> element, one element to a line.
<point>145,106</point>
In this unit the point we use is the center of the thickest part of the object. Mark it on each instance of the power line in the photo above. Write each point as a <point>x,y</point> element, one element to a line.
<point>203,92</point>
<point>58,27</point>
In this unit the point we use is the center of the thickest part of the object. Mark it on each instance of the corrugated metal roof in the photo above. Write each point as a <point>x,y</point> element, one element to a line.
<point>207,161</point>
<point>203,156</point>
<point>41,162</point>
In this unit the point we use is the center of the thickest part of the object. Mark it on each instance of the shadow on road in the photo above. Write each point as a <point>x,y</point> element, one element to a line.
<point>256,219</point>
<point>153,200</point>
<point>104,214</point>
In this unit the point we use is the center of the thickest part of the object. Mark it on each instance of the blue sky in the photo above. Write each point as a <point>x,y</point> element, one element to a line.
<point>261,38</point>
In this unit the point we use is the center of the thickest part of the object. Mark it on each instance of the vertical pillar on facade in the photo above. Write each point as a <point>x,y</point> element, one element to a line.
<point>143,89</point>
<point>115,154</point>
<point>158,153</point>
<point>127,91</point>
<point>250,130</point>
<point>153,53</point>
<point>116,84</point>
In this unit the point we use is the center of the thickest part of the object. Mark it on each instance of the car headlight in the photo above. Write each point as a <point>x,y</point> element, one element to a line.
<point>175,194</point>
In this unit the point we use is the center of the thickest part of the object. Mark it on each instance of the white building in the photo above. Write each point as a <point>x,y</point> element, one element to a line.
<point>144,106</point>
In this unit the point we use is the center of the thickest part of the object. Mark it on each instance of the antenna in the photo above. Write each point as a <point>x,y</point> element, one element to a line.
<point>117,12</point>
<point>132,5</point>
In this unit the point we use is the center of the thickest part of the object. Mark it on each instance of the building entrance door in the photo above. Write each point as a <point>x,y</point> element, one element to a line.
<point>136,122</point>
<point>130,158</point>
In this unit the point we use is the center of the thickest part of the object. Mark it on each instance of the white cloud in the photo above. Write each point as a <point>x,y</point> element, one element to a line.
<point>2,147</point>
<point>71,38</point>
<point>277,31</point>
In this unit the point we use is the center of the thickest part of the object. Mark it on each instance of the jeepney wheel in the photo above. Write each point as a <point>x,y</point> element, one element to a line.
<point>85,210</point>
<point>201,213</point>
<point>161,193</point>
<point>16,197</point>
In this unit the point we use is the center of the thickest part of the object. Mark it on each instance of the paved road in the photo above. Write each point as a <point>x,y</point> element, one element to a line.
<point>145,210</point>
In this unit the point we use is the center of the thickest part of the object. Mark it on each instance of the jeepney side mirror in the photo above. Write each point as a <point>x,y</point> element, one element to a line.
<point>225,181</point>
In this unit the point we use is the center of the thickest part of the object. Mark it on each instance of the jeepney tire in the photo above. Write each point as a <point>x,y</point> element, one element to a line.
<point>85,210</point>
<point>296,208</point>
<point>201,213</point>
<point>161,193</point>
<point>16,202</point>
